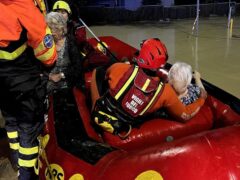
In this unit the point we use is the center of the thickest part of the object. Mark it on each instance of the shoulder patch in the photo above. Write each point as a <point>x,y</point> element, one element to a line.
<point>48,41</point>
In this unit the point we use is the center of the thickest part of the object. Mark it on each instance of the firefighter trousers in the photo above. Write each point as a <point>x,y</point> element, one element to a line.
<point>22,106</point>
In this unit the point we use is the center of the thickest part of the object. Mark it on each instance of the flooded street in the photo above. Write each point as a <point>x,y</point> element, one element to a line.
<point>213,53</point>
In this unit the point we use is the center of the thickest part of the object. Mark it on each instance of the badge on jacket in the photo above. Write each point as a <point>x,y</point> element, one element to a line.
<point>48,41</point>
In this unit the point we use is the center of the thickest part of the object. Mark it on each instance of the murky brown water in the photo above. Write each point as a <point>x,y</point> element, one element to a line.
<point>213,53</point>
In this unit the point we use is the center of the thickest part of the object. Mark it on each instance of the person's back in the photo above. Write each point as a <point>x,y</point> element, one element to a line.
<point>136,91</point>
<point>23,44</point>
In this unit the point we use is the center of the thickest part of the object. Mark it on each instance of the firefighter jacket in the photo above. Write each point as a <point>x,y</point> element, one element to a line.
<point>23,27</point>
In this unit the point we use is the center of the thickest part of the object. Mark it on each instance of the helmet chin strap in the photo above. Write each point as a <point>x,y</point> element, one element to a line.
<point>150,72</point>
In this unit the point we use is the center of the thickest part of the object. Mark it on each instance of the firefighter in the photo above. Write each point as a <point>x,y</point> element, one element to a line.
<point>135,91</point>
<point>25,44</point>
<point>79,30</point>
<point>93,57</point>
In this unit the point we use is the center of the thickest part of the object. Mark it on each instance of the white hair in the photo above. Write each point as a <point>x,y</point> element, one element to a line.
<point>57,22</point>
<point>180,72</point>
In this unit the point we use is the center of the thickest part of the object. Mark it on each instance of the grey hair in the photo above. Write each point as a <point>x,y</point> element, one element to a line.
<point>181,72</point>
<point>57,22</point>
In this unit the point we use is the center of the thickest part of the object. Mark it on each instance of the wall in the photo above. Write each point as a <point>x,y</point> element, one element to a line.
<point>133,4</point>
<point>167,3</point>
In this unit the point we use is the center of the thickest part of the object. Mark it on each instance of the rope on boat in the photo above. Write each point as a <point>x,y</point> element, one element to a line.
<point>99,41</point>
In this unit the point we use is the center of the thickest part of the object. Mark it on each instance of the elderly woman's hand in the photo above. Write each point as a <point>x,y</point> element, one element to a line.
<point>55,77</point>
<point>196,75</point>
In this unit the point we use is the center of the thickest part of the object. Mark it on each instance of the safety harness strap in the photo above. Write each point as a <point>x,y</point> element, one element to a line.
<point>154,98</point>
<point>136,92</point>
<point>128,82</point>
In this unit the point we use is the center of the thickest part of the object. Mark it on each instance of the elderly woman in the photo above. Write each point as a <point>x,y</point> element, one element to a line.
<point>180,76</point>
<point>68,69</point>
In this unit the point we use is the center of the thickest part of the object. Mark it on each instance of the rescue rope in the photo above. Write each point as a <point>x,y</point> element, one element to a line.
<point>98,40</point>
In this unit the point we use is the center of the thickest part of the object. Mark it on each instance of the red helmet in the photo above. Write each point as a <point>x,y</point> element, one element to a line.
<point>153,54</point>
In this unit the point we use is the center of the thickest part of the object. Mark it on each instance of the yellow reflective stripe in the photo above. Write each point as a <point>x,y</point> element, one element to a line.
<point>28,151</point>
<point>127,83</point>
<point>154,97</point>
<point>83,54</point>
<point>12,135</point>
<point>105,125</point>
<point>41,46</point>
<point>41,52</point>
<point>112,117</point>
<point>27,163</point>
<point>13,55</point>
<point>14,146</point>
<point>42,6</point>
<point>145,85</point>
<point>46,55</point>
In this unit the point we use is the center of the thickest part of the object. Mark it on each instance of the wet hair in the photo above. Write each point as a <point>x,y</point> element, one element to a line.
<point>180,72</point>
<point>57,22</point>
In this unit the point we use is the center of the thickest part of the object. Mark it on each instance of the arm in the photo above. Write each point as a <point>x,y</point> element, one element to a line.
<point>80,33</point>
<point>74,74</point>
<point>39,35</point>
<point>176,108</point>
<point>199,83</point>
<point>197,77</point>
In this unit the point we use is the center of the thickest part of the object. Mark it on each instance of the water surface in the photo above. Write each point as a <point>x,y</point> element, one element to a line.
<point>213,53</point>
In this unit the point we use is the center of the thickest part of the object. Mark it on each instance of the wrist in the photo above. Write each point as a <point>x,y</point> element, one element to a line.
<point>62,75</point>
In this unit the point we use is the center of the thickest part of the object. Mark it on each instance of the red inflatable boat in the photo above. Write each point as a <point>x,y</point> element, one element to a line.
<point>206,147</point>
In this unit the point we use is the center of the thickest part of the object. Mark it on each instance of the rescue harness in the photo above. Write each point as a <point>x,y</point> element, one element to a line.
<point>124,106</point>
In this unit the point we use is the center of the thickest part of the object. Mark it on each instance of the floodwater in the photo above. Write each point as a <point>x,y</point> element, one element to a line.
<point>213,53</point>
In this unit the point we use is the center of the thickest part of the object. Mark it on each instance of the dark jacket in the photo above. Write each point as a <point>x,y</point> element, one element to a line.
<point>74,73</point>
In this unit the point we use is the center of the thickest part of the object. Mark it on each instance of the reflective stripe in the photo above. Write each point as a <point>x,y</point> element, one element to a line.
<point>105,125</point>
<point>41,47</point>
<point>13,55</point>
<point>83,54</point>
<point>27,163</point>
<point>14,146</point>
<point>47,54</point>
<point>154,97</point>
<point>145,85</point>
<point>28,151</point>
<point>44,54</point>
<point>109,116</point>
<point>12,135</point>
<point>42,6</point>
<point>131,78</point>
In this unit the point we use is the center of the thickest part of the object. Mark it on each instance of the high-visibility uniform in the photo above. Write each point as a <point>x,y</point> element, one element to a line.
<point>25,40</point>
<point>167,99</point>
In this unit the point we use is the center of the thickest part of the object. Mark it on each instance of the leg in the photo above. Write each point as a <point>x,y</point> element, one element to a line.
<point>8,107</point>
<point>30,124</point>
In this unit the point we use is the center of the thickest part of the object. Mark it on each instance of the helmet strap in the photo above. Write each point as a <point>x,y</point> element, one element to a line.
<point>150,72</point>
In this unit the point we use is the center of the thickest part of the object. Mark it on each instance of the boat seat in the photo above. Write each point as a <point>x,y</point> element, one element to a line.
<point>151,132</point>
